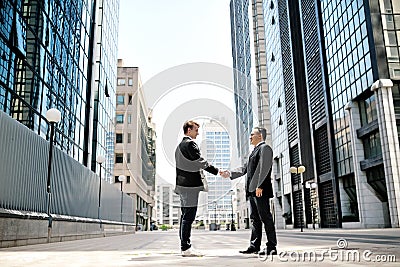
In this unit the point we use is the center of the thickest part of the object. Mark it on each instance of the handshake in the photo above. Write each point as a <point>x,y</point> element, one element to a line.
<point>224,174</point>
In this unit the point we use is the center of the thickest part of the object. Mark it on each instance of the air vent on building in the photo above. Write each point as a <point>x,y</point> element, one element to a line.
<point>322,150</point>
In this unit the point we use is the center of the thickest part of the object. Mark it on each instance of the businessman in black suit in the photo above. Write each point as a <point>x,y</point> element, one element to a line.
<point>189,164</point>
<point>258,192</point>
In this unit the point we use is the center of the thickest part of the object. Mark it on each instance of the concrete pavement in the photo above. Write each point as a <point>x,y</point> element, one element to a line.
<point>316,247</point>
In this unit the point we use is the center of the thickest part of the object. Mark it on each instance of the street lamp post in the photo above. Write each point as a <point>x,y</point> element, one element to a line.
<point>312,185</point>
<point>299,170</point>
<point>53,116</point>
<point>121,179</point>
<point>100,159</point>
<point>233,228</point>
<point>213,226</point>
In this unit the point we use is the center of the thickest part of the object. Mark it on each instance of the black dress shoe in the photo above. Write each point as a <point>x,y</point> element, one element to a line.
<point>249,250</point>
<point>269,251</point>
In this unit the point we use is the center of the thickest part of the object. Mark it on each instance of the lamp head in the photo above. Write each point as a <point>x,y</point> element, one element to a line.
<point>293,170</point>
<point>301,169</point>
<point>53,115</point>
<point>100,159</point>
<point>121,178</point>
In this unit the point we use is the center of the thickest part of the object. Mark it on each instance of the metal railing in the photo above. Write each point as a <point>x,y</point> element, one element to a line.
<point>23,174</point>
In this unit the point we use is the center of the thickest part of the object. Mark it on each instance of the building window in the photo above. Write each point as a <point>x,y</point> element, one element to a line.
<point>121,81</point>
<point>119,137</point>
<point>129,118</point>
<point>116,179</point>
<point>129,99</point>
<point>376,179</point>
<point>128,157</point>
<point>372,146</point>
<point>120,118</point>
<point>129,138</point>
<point>396,73</point>
<point>368,110</point>
<point>20,34</point>
<point>119,158</point>
<point>120,100</point>
<point>128,179</point>
<point>349,187</point>
<point>130,82</point>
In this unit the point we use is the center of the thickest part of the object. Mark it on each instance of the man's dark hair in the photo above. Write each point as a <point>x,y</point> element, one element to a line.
<point>262,131</point>
<point>189,124</point>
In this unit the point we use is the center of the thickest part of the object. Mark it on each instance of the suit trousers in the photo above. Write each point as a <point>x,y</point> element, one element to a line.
<point>260,214</point>
<point>189,199</point>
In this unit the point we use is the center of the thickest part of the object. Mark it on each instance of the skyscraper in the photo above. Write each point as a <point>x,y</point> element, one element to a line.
<point>241,55</point>
<point>216,149</point>
<point>104,80</point>
<point>322,60</point>
<point>361,48</point>
<point>50,58</point>
<point>260,63</point>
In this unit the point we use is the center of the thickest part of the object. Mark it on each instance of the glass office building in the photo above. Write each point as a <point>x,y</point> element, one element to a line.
<point>362,46</point>
<point>218,153</point>
<point>277,53</point>
<point>322,59</point>
<point>105,79</point>
<point>46,54</point>
<point>241,54</point>
<point>260,63</point>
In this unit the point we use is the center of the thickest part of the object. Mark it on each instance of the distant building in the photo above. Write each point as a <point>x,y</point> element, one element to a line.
<point>168,204</point>
<point>216,148</point>
<point>240,206</point>
<point>135,144</point>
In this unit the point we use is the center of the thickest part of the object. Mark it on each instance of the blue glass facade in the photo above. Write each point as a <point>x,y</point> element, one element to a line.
<point>105,81</point>
<point>344,46</point>
<point>349,68</point>
<point>46,50</point>
<point>240,34</point>
<point>218,152</point>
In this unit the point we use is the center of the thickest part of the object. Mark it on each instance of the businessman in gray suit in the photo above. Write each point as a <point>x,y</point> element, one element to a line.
<point>258,192</point>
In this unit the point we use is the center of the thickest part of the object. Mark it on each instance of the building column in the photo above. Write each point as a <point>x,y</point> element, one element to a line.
<point>390,145</point>
<point>370,208</point>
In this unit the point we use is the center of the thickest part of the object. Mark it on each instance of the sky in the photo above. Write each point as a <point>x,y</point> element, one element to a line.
<point>165,39</point>
<point>158,34</point>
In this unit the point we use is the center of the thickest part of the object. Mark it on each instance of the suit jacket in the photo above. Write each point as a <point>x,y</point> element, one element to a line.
<point>189,163</point>
<point>258,170</point>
